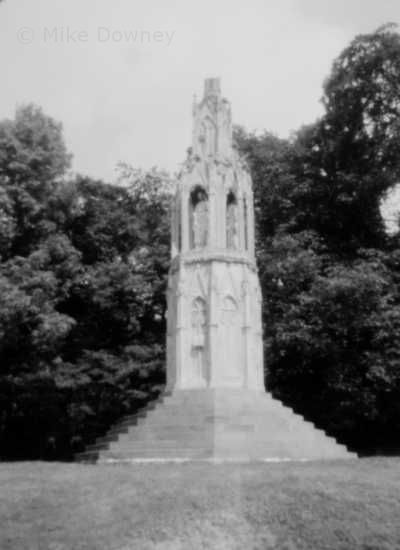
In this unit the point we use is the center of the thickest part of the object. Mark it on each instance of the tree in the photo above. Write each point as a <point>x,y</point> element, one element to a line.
<point>333,346</point>
<point>151,193</point>
<point>269,159</point>
<point>351,156</point>
<point>82,293</point>
<point>82,321</point>
<point>33,157</point>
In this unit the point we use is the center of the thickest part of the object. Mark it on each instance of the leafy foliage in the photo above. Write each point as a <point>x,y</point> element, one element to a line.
<point>32,158</point>
<point>351,156</point>
<point>82,286</point>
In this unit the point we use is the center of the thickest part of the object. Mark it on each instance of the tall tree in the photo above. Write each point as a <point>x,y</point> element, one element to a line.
<point>33,157</point>
<point>351,156</point>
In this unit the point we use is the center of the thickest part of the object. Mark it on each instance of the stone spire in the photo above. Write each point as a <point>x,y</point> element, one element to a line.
<point>212,87</point>
<point>212,124</point>
<point>213,210</point>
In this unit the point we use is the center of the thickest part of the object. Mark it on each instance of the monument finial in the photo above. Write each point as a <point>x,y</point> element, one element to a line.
<point>212,125</point>
<point>212,87</point>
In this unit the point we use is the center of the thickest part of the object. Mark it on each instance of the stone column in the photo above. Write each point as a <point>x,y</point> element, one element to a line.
<point>250,225</point>
<point>180,331</point>
<point>221,216</point>
<point>212,218</point>
<point>185,226</point>
<point>241,223</point>
<point>174,231</point>
<point>170,336</point>
<point>259,338</point>
<point>213,327</point>
<point>246,331</point>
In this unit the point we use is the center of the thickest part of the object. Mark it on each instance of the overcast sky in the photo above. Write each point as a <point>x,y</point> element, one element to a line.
<point>121,74</point>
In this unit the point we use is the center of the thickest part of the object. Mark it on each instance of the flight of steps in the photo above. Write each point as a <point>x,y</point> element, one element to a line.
<point>221,424</point>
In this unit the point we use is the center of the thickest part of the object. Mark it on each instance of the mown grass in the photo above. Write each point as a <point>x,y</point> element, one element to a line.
<point>286,506</point>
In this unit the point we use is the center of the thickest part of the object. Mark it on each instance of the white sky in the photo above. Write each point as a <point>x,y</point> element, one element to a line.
<point>129,99</point>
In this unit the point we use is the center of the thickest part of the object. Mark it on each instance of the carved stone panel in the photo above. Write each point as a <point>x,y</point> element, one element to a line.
<point>198,355</point>
<point>231,341</point>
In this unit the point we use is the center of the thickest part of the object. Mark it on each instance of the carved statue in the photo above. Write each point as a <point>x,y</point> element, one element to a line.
<point>200,220</point>
<point>199,316</point>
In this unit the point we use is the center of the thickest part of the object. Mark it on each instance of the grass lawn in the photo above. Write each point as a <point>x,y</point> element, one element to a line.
<point>335,505</point>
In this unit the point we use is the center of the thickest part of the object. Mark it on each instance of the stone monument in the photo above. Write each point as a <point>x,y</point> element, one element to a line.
<point>214,335</point>
<point>215,406</point>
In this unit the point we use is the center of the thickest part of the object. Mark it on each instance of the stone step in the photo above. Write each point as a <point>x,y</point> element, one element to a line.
<point>278,451</point>
<point>142,439</point>
<point>156,453</point>
<point>99,446</point>
<point>172,449</point>
<point>87,456</point>
<point>232,438</point>
<point>208,423</point>
<point>260,425</point>
<point>275,447</point>
<point>176,409</point>
<point>106,440</point>
<point>117,430</point>
<point>182,433</point>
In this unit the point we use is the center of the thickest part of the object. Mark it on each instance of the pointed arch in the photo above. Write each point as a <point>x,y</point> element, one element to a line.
<point>232,221</point>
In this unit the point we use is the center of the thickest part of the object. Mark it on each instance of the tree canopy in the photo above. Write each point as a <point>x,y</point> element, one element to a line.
<point>349,158</point>
<point>82,283</point>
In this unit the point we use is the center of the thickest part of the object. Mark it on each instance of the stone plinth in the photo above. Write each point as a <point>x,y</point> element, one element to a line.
<point>226,425</point>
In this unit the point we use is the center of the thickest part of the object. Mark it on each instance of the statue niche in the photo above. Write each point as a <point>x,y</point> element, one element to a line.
<point>198,218</point>
<point>232,222</point>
